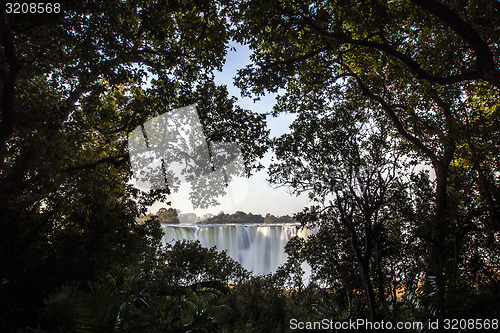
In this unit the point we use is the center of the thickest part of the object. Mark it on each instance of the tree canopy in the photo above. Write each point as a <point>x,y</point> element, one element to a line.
<point>418,66</point>
<point>73,85</point>
<point>383,91</point>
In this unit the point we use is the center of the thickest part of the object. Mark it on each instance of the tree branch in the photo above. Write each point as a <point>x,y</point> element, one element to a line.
<point>297,59</point>
<point>485,63</point>
<point>395,119</point>
<point>485,66</point>
<point>116,161</point>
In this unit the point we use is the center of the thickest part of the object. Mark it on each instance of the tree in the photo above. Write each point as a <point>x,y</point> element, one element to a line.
<point>167,215</point>
<point>359,185</point>
<point>397,59</point>
<point>73,84</point>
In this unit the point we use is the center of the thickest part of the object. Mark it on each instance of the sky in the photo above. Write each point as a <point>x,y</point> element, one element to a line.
<point>252,195</point>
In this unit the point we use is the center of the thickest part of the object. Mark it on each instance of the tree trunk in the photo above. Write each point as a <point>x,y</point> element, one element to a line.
<point>368,288</point>
<point>380,277</point>
<point>485,186</point>
<point>439,253</point>
<point>363,260</point>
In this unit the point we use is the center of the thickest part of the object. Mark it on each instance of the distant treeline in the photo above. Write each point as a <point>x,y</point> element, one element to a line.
<point>170,215</point>
<point>242,217</point>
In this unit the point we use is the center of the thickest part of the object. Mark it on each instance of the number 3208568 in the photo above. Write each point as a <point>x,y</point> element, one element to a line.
<point>32,8</point>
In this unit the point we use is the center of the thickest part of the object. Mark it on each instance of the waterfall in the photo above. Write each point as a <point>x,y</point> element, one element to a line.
<point>258,248</point>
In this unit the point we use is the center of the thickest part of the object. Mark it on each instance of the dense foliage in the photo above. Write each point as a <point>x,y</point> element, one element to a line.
<point>395,141</point>
<point>411,72</point>
<point>73,85</point>
<point>242,217</point>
